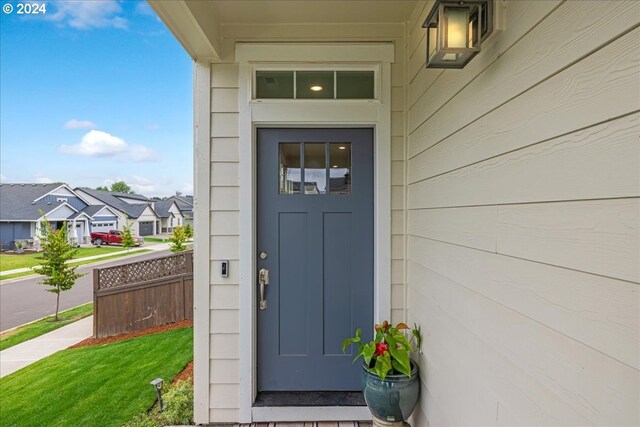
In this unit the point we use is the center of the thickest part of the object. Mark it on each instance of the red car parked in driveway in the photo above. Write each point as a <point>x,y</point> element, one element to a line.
<point>113,236</point>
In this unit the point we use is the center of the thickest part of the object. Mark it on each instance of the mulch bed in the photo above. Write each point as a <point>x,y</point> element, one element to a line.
<point>89,342</point>
<point>186,374</point>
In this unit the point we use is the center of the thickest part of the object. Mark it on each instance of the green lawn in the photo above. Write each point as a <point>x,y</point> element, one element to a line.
<point>42,326</point>
<point>94,386</point>
<point>118,254</point>
<point>155,240</point>
<point>13,261</point>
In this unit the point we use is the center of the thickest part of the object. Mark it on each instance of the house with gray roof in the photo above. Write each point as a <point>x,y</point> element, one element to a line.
<point>126,207</point>
<point>185,204</point>
<point>23,208</point>
<point>170,215</point>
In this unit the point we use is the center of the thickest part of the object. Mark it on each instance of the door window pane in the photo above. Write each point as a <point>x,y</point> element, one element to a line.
<point>340,168</point>
<point>315,169</point>
<point>314,84</point>
<point>290,168</point>
<point>355,85</point>
<point>274,84</point>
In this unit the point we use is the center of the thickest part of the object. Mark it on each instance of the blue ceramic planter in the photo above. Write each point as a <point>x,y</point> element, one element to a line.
<point>392,399</point>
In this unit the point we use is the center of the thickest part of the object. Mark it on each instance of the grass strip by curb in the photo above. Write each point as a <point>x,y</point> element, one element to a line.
<point>101,386</point>
<point>89,261</point>
<point>155,240</point>
<point>40,327</point>
<point>10,261</point>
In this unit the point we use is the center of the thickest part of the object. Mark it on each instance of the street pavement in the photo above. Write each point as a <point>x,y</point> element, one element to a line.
<point>25,300</point>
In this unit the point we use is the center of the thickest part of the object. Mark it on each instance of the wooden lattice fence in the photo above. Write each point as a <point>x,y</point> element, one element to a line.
<point>138,295</point>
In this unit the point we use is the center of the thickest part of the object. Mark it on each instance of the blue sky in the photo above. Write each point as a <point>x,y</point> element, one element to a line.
<point>93,92</point>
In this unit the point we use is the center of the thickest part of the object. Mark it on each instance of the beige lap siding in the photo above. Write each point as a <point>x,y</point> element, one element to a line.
<point>398,207</point>
<point>523,186</point>
<point>224,304</point>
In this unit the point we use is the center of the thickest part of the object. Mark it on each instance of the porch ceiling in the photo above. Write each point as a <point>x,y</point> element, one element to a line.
<point>197,24</point>
<point>312,11</point>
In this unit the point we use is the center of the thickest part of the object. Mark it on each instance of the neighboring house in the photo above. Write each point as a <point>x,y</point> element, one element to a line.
<point>497,206</point>
<point>126,207</point>
<point>170,215</point>
<point>185,204</point>
<point>23,207</point>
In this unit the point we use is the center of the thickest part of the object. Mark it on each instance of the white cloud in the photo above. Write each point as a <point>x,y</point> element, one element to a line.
<point>187,188</point>
<point>79,124</point>
<point>96,143</point>
<point>142,185</point>
<point>143,8</point>
<point>43,179</point>
<point>3,178</point>
<point>85,15</point>
<point>140,153</point>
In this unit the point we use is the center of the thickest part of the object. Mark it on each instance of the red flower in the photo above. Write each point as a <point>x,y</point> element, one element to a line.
<point>381,348</point>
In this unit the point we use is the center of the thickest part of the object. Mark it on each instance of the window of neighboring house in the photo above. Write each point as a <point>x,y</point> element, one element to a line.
<point>314,84</point>
<point>62,199</point>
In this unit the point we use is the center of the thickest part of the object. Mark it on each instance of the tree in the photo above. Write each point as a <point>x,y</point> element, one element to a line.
<point>120,187</point>
<point>59,275</point>
<point>188,230</point>
<point>177,239</point>
<point>102,188</point>
<point>127,238</point>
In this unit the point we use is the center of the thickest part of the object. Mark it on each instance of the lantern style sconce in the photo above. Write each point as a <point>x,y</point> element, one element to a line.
<point>455,30</point>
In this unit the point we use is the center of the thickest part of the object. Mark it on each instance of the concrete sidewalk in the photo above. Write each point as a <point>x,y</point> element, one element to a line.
<point>21,355</point>
<point>155,247</point>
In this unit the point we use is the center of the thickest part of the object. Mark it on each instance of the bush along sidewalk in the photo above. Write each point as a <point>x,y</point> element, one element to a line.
<point>178,407</point>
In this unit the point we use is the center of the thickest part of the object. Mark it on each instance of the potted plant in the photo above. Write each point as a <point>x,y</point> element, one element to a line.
<point>390,379</point>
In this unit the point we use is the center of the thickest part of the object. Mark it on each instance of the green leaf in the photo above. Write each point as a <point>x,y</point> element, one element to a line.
<point>401,355</point>
<point>360,352</point>
<point>401,368</point>
<point>383,365</point>
<point>418,336</point>
<point>348,341</point>
<point>368,352</point>
<point>401,339</point>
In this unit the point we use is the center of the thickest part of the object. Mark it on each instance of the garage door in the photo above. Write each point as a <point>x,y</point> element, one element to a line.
<point>102,226</point>
<point>146,228</point>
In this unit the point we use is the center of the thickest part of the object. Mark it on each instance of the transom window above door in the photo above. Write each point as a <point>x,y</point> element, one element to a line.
<point>315,168</point>
<point>314,84</point>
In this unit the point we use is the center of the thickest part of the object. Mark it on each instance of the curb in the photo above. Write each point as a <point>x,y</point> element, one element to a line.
<point>98,262</point>
<point>34,321</point>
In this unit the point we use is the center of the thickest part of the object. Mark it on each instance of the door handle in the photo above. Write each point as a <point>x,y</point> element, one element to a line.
<point>263,280</point>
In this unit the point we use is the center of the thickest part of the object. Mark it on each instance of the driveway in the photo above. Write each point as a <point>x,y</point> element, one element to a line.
<point>25,300</point>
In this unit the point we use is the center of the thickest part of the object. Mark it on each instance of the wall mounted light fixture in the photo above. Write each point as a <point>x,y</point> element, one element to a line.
<point>455,30</point>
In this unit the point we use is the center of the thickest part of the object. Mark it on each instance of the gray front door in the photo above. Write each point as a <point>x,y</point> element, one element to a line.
<point>315,236</point>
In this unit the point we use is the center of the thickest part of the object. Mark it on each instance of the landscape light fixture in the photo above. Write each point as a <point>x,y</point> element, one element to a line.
<point>157,386</point>
<point>455,30</point>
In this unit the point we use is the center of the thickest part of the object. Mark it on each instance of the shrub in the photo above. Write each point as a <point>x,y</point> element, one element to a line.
<point>178,408</point>
<point>188,230</point>
<point>177,239</point>
<point>179,404</point>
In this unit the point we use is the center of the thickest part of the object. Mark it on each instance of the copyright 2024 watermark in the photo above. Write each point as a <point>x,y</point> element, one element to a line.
<point>25,8</point>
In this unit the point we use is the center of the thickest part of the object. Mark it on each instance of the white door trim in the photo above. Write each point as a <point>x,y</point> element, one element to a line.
<point>375,114</point>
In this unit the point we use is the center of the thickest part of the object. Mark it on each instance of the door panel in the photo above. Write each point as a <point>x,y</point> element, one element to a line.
<point>315,224</point>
